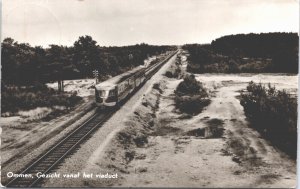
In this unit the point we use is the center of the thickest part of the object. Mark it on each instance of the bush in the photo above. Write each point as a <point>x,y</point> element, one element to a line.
<point>169,74</point>
<point>174,71</point>
<point>15,98</point>
<point>191,96</point>
<point>190,86</point>
<point>157,87</point>
<point>192,105</point>
<point>274,114</point>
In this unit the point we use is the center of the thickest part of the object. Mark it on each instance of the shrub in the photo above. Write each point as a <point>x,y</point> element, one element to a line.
<point>190,86</point>
<point>191,97</point>
<point>174,71</point>
<point>191,104</point>
<point>169,74</point>
<point>15,98</point>
<point>274,114</point>
<point>157,87</point>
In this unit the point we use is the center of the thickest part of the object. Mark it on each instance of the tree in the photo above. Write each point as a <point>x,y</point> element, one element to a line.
<point>86,55</point>
<point>18,66</point>
<point>26,65</point>
<point>60,65</point>
<point>8,59</point>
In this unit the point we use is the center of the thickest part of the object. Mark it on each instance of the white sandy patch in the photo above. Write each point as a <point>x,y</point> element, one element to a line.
<point>83,87</point>
<point>9,120</point>
<point>149,60</point>
<point>280,81</point>
<point>36,113</point>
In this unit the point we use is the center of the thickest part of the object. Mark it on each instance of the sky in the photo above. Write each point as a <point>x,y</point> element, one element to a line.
<point>129,22</point>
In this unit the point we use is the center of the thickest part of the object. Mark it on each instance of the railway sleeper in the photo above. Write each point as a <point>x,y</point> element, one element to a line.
<point>66,147</point>
<point>57,153</point>
<point>68,143</point>
<point>53,159</point>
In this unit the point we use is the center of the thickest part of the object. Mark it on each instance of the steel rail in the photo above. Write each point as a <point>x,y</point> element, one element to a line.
<point>57,148</point>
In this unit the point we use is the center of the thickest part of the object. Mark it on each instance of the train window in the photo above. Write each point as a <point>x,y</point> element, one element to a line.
<point>131,80</point>
<point>102,93</point>
<point>121,88</point>
<point>112,93</point>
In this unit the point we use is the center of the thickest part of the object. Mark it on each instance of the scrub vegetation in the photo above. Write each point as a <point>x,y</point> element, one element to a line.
<point>190,96</point>
<point>18,98</point>
<point>274,114</point>
<point>175,70</point>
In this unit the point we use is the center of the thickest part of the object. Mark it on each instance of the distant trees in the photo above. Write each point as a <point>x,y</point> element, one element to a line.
<point>196,52</point>
<point>18,59</point>
<point>26,65</point>
<point>265,52</point>
<point>282,48</point>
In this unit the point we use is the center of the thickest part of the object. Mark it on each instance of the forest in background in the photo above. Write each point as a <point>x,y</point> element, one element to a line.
<point>246,53</point>
<point>23,64</point>
<point>26,70</point>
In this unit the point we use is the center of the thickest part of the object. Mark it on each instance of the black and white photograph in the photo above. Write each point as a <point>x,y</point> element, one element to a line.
<point>149,93</point>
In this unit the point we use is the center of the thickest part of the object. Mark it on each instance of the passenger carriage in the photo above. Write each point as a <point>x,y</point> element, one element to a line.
<point>112,91</point>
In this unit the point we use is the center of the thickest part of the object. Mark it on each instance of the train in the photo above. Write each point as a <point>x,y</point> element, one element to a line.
<point>112,92</point>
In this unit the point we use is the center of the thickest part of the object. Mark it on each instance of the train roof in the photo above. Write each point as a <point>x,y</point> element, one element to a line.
<point>119,78</point>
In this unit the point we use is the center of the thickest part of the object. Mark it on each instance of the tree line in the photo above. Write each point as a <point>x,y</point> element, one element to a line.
<point>264,52</point>
<point>23,64</point>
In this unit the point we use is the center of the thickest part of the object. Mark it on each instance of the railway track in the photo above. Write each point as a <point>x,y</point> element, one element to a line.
<point>56,154</point>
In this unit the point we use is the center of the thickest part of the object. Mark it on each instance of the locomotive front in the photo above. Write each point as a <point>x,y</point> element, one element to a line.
<point>106,95</point>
